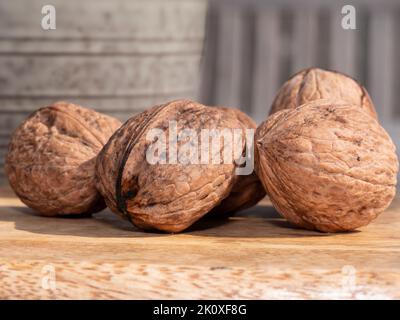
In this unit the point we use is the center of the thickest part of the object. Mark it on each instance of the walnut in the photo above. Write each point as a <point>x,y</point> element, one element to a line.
<point>171,196</point>
<point>326,167</point>
<point>247,191</point>
<point>51,159</point>
<point>313,84</point>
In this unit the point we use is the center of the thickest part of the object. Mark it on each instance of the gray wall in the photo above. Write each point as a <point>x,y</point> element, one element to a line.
<point>253,46</point>
<point>122,56</point>
<point>118,56</point>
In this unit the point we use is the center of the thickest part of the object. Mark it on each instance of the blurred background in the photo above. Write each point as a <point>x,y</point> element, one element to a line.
<point>123,56</point>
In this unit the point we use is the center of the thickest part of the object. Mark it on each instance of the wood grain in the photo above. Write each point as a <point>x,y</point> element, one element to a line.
<point>101,19</point>
<point>254,254</point>
<point>98,76</point>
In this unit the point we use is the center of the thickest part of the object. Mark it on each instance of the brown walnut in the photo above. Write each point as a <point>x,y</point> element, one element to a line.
<point>51,159</point>
<point>247,191</point>
<point>171,196</point>
<point>314,84</point>
<point>326,167</point>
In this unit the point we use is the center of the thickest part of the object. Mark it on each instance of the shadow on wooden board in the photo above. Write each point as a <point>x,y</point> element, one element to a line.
<point>261,221</point>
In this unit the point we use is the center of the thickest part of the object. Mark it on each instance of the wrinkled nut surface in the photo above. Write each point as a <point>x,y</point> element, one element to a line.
<point>326,167</point>
<point>170,196</point>
<point>51,159</point>
<point>247,190</point>
<point>314,84</point>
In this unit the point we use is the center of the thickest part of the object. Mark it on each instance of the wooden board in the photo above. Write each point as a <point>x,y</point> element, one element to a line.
<point>76,76</point>
<point>254,254</point>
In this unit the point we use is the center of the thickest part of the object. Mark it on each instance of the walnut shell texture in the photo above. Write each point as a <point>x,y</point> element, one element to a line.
<point>170,196</point>
<point>314,84</point>
<point>247,191</point>
<point>326,167</point>
<point>51,159</point>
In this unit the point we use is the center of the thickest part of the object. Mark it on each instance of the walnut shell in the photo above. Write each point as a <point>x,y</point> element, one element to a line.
<point>51,159</point>
<point>170,196</point>
<point>326,167</point>
<point>247,191</point>
<point>314,83</point>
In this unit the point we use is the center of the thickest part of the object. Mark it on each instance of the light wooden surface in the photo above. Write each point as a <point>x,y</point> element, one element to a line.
<point>252,255</point>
